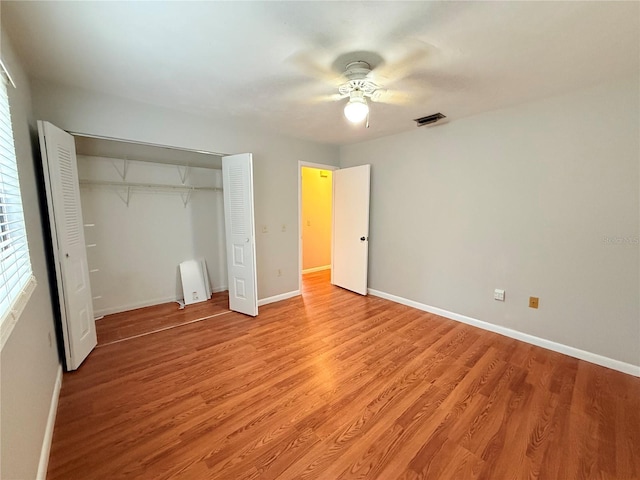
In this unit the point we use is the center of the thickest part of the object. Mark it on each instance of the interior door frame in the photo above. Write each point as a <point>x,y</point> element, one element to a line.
<point>319,166</point>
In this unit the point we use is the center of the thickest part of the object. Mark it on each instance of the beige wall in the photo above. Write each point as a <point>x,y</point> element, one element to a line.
<point>540,200</point>
<point>28,363</point>
<point>275,162</point>
<point>316,217</point>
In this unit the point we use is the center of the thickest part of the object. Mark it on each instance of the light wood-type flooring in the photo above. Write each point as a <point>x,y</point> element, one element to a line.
<point>332,385</point>
<point>142,321</point>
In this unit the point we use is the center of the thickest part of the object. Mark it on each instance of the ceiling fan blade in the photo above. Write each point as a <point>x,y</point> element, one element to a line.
<point>334,97</point>
<point>393,97</point>
<point>305,62</point>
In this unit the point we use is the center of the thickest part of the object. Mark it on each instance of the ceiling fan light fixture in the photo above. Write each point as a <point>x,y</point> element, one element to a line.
<point>356,109</point>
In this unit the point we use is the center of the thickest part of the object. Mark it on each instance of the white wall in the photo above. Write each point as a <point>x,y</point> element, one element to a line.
<point>28,362</point>
<point>275,161</point>
<point>139,247</point>
<point>523,199</point>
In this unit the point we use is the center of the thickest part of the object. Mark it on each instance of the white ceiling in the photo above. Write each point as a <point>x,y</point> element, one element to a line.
<point>243,59</point>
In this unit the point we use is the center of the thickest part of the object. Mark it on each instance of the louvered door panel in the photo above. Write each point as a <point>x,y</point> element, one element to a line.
<point>65,213</point>
<point>70,198</point>
<point>237,202</point>
<point>237,176</point>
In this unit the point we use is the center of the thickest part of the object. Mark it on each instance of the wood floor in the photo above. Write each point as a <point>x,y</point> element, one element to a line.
<point>120,326</point>
<point>332,385</point>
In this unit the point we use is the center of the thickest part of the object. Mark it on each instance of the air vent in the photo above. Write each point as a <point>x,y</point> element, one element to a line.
<point>429,119</point>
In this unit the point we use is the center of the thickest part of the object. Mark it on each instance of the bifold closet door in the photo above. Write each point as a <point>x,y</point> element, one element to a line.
<point>69,250</point>
<point>237,181</point>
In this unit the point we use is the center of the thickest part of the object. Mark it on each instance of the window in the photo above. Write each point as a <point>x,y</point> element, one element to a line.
<point>16,280</point>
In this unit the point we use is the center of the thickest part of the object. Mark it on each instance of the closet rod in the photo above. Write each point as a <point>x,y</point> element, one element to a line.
<point>181,188</point>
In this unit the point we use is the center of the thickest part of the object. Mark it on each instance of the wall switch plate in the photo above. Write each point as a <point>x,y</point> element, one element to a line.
<point>533,302</point>
<point>498,294</point>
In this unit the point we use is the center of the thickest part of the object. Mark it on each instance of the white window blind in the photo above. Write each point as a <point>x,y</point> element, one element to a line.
<point>15,266</point>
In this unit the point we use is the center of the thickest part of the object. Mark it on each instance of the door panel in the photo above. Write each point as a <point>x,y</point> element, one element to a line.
<point>350,252</point>
<point>237,179</point>
<point>70,255</point>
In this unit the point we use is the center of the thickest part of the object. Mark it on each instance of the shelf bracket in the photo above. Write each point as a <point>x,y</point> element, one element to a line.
<point>122,172</point>
<point>125,196</point>
<point>186,198</point>
<point>183,172</point>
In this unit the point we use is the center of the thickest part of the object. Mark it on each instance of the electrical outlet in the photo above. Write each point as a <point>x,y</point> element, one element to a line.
<point>265,229</point>
<point>533,302</point>
<point>284,227</point>
<point>279,272</point>
<point>498,294</point>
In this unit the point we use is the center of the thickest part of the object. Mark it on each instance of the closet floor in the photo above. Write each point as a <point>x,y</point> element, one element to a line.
<point>143,321</point>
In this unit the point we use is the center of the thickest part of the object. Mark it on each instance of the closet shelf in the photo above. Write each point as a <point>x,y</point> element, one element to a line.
<point>124,189</point>
<point>149,186</point>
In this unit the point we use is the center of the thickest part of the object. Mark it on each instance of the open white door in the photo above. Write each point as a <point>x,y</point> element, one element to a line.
<point>350,252</point>
<point>237,182</point>
<point>69,251</point>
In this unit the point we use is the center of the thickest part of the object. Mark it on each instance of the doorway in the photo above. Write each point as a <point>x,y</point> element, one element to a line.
<point>315,207</point>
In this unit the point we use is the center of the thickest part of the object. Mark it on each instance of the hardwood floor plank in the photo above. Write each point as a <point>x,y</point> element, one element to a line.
<point>332,385</point>
<point>119,326</point>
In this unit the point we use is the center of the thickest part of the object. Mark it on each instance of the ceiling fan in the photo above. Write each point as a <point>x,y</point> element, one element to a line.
<point>363,77</point>
<point>358,88</point>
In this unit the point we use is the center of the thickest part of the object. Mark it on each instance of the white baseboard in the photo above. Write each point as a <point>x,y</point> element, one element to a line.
<point>316,269</point>
<point>145,303</point>
<point>525,337</point>
<point>48,432</point>
<point>132,306</point>
<point>277,298</point>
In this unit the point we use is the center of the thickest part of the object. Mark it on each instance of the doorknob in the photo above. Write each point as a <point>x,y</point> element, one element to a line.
<point>362,239</point>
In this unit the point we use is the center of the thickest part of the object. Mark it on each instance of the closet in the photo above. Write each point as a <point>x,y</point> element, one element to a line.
<point>146,209</point>
<point>124,215</point>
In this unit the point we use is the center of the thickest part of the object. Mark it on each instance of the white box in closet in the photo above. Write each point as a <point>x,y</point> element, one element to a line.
<point>195,281</point>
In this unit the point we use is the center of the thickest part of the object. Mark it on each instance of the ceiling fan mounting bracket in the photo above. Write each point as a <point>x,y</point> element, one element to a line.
<point>356,73</point>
